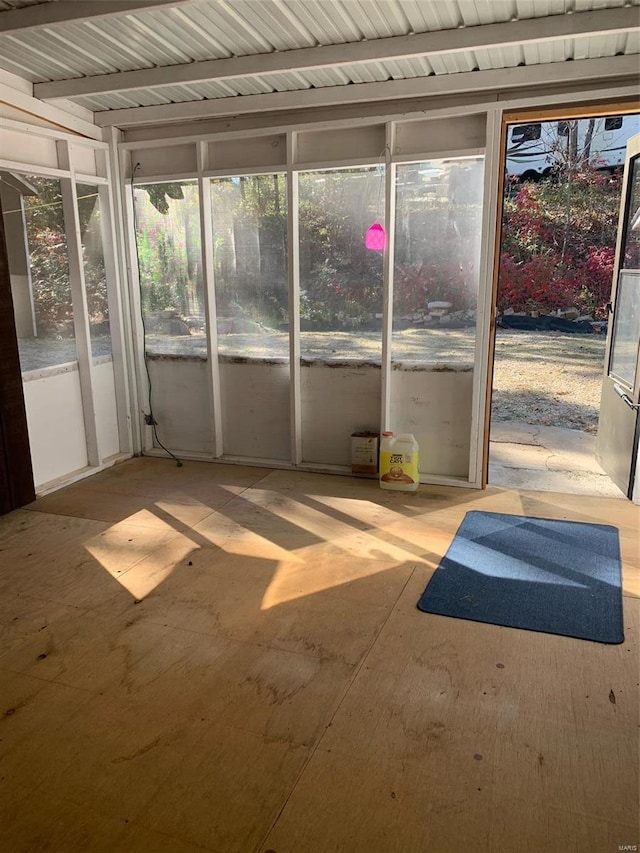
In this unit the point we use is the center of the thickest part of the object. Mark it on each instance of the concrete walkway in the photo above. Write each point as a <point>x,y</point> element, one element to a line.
<point>549,459</point>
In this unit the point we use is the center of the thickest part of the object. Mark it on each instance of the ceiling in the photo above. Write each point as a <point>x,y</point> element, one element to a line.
<point>128,59</point>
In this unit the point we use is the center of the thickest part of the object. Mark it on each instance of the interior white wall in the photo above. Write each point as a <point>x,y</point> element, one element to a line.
<point>255,409</point>
<point>444,408</point>
<point>191,429</point>
<point>434,403</point>
<point>337,399</point>
<point>32,151</point>
<point>181,405</point>
<point>254,399</point>
<point>61,410</point>
<point>55,421</point>
<point>106,408</point>
<point>84,160</point>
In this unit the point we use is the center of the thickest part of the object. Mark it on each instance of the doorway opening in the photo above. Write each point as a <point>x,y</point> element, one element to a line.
<point>560,209</point>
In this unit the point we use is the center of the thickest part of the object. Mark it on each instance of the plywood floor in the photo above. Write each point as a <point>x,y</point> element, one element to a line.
<point>230,659</point>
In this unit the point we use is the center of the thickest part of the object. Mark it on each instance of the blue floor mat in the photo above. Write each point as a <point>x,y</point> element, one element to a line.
<point>539,574</point>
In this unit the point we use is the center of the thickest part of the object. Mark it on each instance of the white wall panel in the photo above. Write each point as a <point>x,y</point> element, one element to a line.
<point>84,159</point>
<point>341,144</point>
<point>28,148</point>
<point>255,416</point>
<point>337,400</point>
<point>434,403</point>
<point>106,410</point>
<point>440,136</point>
<point>56,426</point>
<point>181,403</point>
<point>173,160</point>
<point>259,151</point>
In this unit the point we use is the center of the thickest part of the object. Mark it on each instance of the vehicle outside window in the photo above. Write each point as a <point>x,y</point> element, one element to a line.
<point>526,132</point>
<point>613,123</point>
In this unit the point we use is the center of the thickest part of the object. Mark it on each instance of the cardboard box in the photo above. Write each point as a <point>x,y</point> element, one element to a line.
<point>364,453</point>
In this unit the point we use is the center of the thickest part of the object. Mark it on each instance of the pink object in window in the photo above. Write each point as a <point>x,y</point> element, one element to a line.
<point>376,238</point>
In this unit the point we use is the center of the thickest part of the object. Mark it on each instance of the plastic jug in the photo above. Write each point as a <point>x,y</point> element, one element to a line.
<point>399,462</point>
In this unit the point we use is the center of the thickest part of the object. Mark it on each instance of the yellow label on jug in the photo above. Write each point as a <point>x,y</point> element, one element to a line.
<point>398,467</point>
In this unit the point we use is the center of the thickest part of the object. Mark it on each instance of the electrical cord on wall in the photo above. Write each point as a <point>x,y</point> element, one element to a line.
<point>149,418</point>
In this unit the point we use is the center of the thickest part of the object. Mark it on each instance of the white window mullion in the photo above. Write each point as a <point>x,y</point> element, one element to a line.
<point>143,401</point>
<point>491,213</point>
<point>206,245</point>
<point>387,297</point>
<point>122,228</point>
<point>293,240</point>
<point>117,327</point>
<point>79,303</point>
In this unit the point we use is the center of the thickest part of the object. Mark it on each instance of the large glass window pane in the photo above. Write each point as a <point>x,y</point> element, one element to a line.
<point>626,321</point>
<point>630,258</point>
<point>436,277</point>
<point>626,328</point>
<point>91,225</point>
<point>39,270</point>
<point>252,300</point>
<point>250,264</point>
<point>436,264</point>
<point>340,279</point>
<point>170,265</point>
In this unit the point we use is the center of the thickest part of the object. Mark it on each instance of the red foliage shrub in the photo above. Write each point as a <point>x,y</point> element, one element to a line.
<point>558,241</point>
<point>541,284</point>
<point>599,268</point>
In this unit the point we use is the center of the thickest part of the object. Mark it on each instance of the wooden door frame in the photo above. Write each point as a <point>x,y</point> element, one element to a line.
<point>539,114</point>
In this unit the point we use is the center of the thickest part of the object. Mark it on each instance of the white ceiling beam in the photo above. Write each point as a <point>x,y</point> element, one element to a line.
<point>74,12</point>
<point>608,68</point>
<point>357,115</point>
<point>15,94</point>
<point>556,27</point>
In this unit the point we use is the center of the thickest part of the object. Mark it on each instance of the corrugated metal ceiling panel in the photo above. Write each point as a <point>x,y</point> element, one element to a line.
<point>329,23</point>
<point>211,29</point>
<point>589,5</point>
<point>289,82</point>
<point>237,34</point>
<point>208,30</point>
<point>539,54</point>
<point>126,50</point>
<point>595,47</point>
<point>633,44</point>
<point>372,72</point>
<point>377,20</point>
<point>322,77</point>
<point>7,5</point>
<point>278,26</point>
<point>39,55</point>
<point>489,59</point>
<point>405,69</point>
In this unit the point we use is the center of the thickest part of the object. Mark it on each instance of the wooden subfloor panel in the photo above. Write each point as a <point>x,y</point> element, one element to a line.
<point>227,658</point>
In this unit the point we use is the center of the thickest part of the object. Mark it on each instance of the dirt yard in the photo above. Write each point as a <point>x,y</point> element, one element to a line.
<point>548,378</point>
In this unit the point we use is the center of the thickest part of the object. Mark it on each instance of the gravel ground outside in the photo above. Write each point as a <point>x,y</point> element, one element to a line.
<point>546,378</point>
<point>38,353</point>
